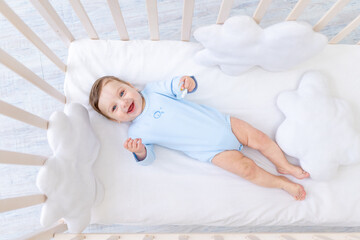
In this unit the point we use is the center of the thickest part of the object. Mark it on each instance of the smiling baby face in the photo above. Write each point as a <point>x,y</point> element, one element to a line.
<point>119,101</point>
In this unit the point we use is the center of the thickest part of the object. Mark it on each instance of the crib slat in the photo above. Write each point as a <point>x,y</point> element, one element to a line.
<point>224,12</point>
<point>10,204</point>
<point>46,233</point>
<point>183,237</point>
<point>84,18</point>
<point>211,236</point>
<point>53,19</point>
<point>252,237</point>
<point>352,237</point>
<point>335,9</point>
<point>317,237</point>
<point>348,29</point>
<point>148,237</point>
<point>8,157</point>
<point>113,238</point>
<point>286,237</point>
<point>30,35</point>
<point>188,11</point>
<point>261,10</point>
<point>118,19</point>
<point>21,115</point>
<point>152,11</point>
<point>79,237</point>
<point>297,10</point>
<point>26,73</point>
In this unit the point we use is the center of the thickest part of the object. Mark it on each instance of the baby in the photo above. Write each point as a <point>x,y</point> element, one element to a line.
<point>159,115</point>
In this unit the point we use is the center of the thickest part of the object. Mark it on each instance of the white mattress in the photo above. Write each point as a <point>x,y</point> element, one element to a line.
<point>176,190</point>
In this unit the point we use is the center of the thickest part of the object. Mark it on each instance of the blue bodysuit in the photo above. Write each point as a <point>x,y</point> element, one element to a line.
<point>170,121</point>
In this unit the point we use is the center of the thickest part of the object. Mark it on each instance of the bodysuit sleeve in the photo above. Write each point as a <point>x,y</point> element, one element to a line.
<point>150,156</point>
<point>170,87</point>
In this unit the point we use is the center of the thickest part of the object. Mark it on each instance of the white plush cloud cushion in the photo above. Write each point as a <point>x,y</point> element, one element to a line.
<point>319,129</point>
<point>241,43</point>
<point>67,177</point>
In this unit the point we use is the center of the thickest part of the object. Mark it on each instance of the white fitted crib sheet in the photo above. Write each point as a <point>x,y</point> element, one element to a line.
<point>176,190</point>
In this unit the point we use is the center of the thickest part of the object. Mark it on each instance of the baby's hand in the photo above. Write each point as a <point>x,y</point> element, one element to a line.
<point>188,83</point>
<point>136,146</point>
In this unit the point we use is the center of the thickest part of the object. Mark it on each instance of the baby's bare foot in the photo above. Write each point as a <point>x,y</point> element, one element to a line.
<point>295,171</point>
<point>294,189</point>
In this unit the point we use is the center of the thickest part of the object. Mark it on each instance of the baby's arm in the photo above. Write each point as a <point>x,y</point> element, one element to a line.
<point>175,86</point>
<point>143,154</point>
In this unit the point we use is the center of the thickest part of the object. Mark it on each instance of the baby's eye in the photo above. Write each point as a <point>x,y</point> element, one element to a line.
<point>113,108</point>
<point>122,93</point>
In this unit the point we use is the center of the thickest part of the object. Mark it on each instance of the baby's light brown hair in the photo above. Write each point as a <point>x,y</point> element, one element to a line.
<point>96,91</point>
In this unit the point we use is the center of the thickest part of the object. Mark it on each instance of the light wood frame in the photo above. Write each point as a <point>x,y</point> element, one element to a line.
<point>10,204</point>
<point>335,9</point>
<point>21,115</point>
<point>8,157</point>
<point>152,11</point>
<point>217,236</point>
<point>118,19</point>
<point>224,12</point>
<point>52,18</point>
<point>30,35</point>
<point>46,233</point>
<point>84,18</point>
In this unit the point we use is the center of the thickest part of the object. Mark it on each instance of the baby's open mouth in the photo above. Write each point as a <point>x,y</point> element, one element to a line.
<point>131,108</point>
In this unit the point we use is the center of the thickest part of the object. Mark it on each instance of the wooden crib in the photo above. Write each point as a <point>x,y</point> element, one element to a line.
<point>52,18</point>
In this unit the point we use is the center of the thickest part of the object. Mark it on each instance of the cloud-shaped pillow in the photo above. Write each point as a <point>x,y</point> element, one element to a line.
<point>240,43</point>
<point>318,129</point>
<point>67,177</point>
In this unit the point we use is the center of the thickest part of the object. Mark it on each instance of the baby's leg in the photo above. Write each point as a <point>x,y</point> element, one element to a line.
<point>254,138</point>
<point>235,162</point>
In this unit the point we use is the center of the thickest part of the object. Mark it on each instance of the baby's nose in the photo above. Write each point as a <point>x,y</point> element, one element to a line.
<point>124,103</point>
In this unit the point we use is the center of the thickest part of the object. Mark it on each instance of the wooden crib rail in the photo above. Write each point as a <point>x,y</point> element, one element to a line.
<point>188,11</point>
<point>50,15</point>
<point>261,10</point>
<point>224,12</point>
<point>118,19</point>
<point>346,31</point>
<point>53,19</point>
<point>152,11</point>
<point>10,204</point>
<point>297,10</point>
<point>218,236</point>
<point>21,115</point>
<point>46,233</point>
<point>26,73</point>
<point>30,35</point>
<point>335,9</point>
<point>8,157</point>
<point>84,18</point>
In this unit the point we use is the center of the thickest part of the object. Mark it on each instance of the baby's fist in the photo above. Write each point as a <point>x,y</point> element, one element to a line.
<point>187,82</point>
<point>135,145</point>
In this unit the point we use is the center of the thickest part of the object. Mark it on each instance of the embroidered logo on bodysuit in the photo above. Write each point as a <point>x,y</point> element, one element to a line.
<point>158,114</point>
